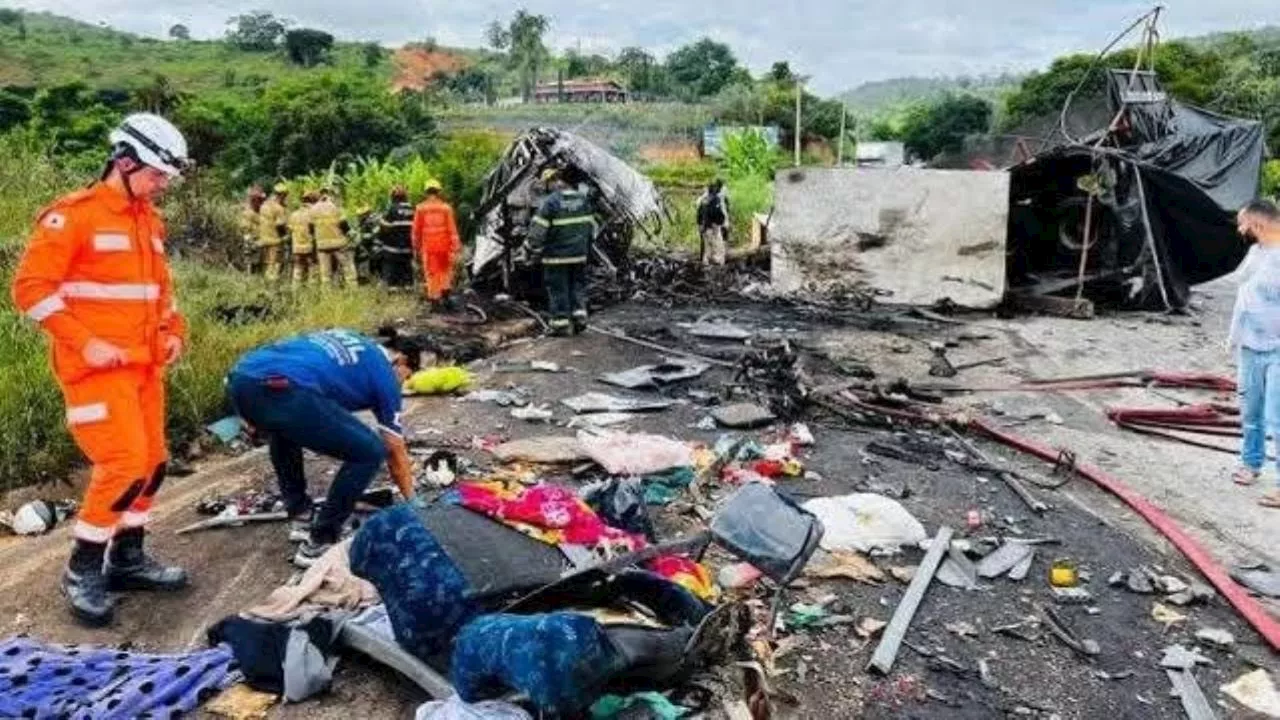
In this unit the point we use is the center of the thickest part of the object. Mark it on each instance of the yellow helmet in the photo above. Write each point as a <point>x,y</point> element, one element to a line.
<point>433,185</point>
<point>550,174</point>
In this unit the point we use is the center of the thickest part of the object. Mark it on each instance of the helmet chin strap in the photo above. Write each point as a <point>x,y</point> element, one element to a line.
<point>113,163</point>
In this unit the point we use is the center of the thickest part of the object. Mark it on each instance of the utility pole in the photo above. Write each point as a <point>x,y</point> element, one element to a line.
<point>799,96</point>
<point>844,111</point>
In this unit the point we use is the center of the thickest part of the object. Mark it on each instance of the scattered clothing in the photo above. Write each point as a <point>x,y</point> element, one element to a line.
<point>455,709</point>
<point>657,705</point>
<point>58,682</point>
<point>559,660</point>
<point>550,513</point>
<point>663,487</point>
<point>423,589</point>
<point>686,573</point>
<point>327,585</point>
<point>293,660</point>
<point>635,454</point>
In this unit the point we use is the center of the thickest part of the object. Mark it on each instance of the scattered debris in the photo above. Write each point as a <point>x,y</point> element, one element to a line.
<point>1216,637</point>
<point>1259,578</point>
<point>1166,616</point>
<point>870,627</point>
<point>1087,648</point>
<point>903,573</point>
<point>800,435</point>
<point>1072,596</point>
<point>544,450</point>
<point>671,370</point>
<point>939,365</point>
<point>513,397</point>
<point>39,516</point>
<point>533,413</point>
<point>228,430</point>
<point>1179,665</point>
<point>634,453</point>
<point>1022,569</point>
<point>718,331</point>
<point>963,629</point>
<point>1004,559</point>
<point>440,469</point>
<point>1195,594</point>
<point>738,576</point>
<point>866,522</point>
<point>885,654</point>
<point>743,416</point>
<point>844,564</point>
<point>1122,675</point>
<point>601,420</point>
<point>594,402</point>
<point>958,571</point>
<point>1255,691</point>
<point>241,702</point>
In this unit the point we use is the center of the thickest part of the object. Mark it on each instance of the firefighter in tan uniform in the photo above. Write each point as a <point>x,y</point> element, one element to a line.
<point>273,223</point>
<point>333,247</point>
<point>302,240</point>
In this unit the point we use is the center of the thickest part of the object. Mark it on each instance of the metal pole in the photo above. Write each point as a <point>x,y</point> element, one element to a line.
<point>844,111</point>
<point>799,95</point>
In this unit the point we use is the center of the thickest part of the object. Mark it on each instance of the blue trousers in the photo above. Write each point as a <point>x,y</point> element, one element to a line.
<point>294,418</point>
<point>1259,387</point>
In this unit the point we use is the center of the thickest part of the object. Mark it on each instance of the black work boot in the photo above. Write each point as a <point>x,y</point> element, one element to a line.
<point>85,585</point>
<point>130,568</point>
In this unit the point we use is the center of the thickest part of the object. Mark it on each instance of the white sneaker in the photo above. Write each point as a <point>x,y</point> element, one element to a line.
<point>309,552</point>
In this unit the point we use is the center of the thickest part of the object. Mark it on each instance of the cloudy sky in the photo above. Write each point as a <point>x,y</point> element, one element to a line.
<point>840,43</point>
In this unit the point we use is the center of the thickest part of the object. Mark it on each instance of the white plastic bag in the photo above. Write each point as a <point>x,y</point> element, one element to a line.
<point>865,522</point>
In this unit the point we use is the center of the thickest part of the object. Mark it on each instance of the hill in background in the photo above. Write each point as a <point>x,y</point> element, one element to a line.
<point>58,50</point>
<point>881,95</point>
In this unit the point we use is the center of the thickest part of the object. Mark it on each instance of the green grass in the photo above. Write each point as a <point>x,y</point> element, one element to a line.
<point>683,182</point>
<point>58,50</point>
<point>34,443</point>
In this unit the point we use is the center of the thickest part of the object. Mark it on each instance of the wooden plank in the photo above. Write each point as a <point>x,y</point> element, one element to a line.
<point>894,634</point>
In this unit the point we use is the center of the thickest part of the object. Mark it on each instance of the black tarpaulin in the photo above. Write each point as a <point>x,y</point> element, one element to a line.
<point>1167,182</point>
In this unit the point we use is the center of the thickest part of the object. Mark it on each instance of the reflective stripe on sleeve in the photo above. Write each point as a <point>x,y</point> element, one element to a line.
<point>110,291</point>
<point>46,307</point>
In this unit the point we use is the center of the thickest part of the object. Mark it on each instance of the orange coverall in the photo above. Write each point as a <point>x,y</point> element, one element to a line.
<point>95,268</point>
<point>435,239</point>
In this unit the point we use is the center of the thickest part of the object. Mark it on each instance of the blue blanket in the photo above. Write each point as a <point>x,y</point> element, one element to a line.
<point>58,682</point>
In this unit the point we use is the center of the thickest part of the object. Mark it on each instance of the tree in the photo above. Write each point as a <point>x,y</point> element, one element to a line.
<point>781,73</point>
<point>10,17</point>
<point>372,55</point>
<point>71,118</point>
<point>522,38</point>
<point>15,111</point>
<point>307,47</point>
<point>256,31</point>
<point>159,97</point>
<point>702,69</point>
<point>638,66</point>
<point>180,32</point>
<point>929,130</point>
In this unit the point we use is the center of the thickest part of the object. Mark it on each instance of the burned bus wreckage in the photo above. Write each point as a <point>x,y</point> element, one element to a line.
<point>626,203</point>
<point>1135,214</point>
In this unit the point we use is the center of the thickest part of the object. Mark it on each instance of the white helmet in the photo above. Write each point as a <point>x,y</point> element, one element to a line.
<point>155,142</point>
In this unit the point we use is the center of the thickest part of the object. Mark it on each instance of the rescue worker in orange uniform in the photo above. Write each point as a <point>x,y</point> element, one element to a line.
<point>435,239</point>
<point>94,276</point>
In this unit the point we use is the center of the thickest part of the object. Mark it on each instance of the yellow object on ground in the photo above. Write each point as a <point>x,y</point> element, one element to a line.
<point>437,381</point>
<point>241,702</point>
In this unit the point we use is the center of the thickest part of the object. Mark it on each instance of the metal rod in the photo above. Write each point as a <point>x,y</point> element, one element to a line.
<point>661,348</point>
<point>887,651</point>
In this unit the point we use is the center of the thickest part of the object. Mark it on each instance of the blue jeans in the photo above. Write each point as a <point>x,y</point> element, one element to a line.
<point>1259,388</point>
<point>295,418</point>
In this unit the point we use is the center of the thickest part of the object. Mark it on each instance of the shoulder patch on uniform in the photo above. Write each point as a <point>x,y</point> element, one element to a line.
<point>53,220</point>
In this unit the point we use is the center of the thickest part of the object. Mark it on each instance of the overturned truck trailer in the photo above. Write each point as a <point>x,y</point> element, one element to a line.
<point>1159,188</point>
<point>626,202</point>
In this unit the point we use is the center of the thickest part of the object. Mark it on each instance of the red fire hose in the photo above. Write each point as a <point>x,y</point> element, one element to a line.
<point>1235,594</point>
